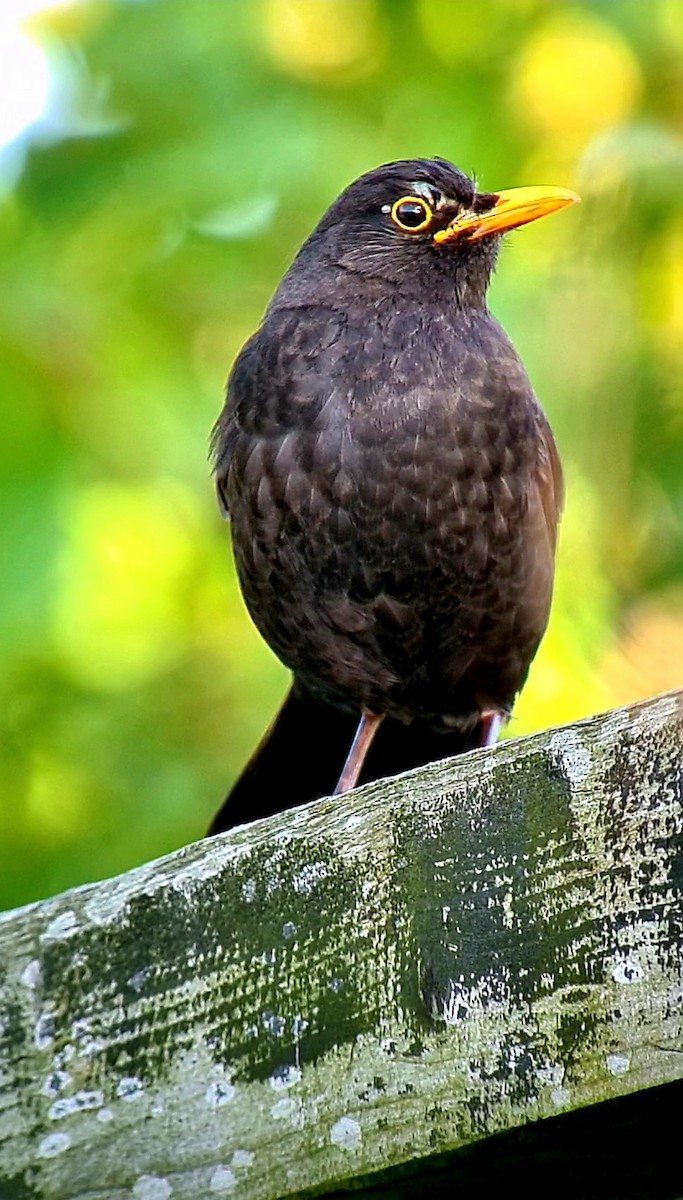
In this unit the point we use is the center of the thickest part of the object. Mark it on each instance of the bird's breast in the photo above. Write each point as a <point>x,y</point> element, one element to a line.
<point>377,488</point>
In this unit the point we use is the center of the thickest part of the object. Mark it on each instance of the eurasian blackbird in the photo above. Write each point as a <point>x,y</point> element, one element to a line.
<point>393,487</point>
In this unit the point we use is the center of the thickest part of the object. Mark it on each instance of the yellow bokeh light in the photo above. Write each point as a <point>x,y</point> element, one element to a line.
<point>57,799</point>
<point>63,18</point>
<point>322,38</point>
<point>468,29</point>
<point>129,554</point>
<point>564,682</point>
<point>576,75</point>
<point>648,657</point>
<point>662,292</point>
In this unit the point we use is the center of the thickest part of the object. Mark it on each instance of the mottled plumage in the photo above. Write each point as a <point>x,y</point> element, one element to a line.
<point>391,480</point>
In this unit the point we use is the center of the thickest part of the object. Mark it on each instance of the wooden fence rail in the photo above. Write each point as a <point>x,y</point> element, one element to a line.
<point>367,991</point>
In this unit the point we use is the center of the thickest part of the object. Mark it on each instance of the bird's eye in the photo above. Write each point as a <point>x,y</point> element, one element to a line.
<point>412,214</point>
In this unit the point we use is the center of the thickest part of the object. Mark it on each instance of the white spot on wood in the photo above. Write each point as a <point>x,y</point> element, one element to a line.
<point>60,927</point>
<point>44,1032</point>
<point>222,1180</point>
<point>62,1108</point>
<point>129,1088</point>
<point>628,971</point>
<point>249,890</point>
<point>157,1108</point>
<point>86,1100</point>
<point>346,1133</point>
<point>80,1102</point>
<point>90,1047</point>
<point>80,1028</point>
<point>139,978</point>
<point>352,822</point>
<point>274,1024</point>
<point>617,1064</point>
<point>55,1083</point>
<point>152,1187</point>
<point>308,878</point>
<point>53,1144</point>
<point>102,909</point>
<point>219,1093</point>
<point>242,1158</point>
<point>105,1115</point>
<point>612,726</point>
<point>285,1077</point>
<point>299,1026</point>
<point>560,1097</point>
<point>576,758</point>
<point>65,1055</point>
<point>456,1006</point>
<point>283,1109</point>
<point>550,1074</point>
<point>31,975</point>
<point>82,1035</point>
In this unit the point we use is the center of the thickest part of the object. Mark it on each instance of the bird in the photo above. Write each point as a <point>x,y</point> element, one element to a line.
<point>392,485</point>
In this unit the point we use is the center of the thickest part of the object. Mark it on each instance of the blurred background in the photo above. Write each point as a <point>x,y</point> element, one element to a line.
<point>160,162</point>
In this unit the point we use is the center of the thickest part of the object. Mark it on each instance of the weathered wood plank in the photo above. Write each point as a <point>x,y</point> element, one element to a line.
<point>365,982</point>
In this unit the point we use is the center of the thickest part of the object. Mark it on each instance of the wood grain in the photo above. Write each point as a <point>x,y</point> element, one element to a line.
<point>365,983</point>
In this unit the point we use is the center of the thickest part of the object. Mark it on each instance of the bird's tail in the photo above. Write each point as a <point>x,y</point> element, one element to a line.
<point>301,756</point>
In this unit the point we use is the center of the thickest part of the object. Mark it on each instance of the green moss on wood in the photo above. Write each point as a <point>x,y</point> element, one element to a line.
<point>364,983</point>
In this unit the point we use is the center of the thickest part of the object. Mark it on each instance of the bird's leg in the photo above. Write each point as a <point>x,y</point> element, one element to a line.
<point>491,722</point>
<point>367,728</point>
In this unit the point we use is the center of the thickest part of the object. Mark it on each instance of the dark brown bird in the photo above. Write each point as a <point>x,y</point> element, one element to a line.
<point>393,487</point>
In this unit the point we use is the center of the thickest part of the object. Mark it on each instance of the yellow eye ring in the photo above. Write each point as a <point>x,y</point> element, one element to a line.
<point>412,214</point>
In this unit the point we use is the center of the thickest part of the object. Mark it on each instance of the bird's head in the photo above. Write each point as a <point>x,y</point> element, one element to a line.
<point>421,222</point>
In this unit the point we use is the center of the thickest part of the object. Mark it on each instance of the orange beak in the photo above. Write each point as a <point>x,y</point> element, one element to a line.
<point>512,208</point>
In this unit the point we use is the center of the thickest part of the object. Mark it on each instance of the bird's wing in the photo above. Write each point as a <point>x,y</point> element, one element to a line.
<point>225,430</point>
<point>549,482</point>
<point>543,511</point>
<point>275,387</point>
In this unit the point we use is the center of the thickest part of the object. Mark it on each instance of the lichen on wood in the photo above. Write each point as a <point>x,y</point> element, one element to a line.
<point>368,981</point>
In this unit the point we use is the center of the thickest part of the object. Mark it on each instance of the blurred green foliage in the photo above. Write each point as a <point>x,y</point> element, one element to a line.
<point>193,145</point>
